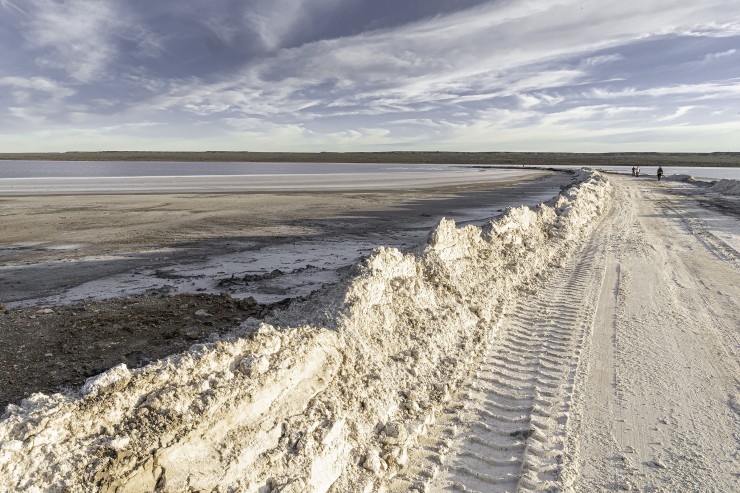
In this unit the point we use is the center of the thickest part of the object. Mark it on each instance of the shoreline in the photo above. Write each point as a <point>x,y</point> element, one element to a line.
<point>56,243</point>
<point>267,183</point>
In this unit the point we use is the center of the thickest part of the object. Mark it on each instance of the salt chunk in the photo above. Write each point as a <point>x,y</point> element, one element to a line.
<point>119,443</point>
<point>334,433</point>
<point>115,378</point>
<point>391,455</point>
<point>394,429</point>
<point>372,461</point>
<point>657,463</point>
<point>11,445</point>
<point>254,365</point>
<point>403,458</point>
<point>297,486</point>
<point>267,339</point>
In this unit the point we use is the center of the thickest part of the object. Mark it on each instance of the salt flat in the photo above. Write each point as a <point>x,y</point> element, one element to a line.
<point>56,243</point>
<point>589,344</point>
<point>260,182</point>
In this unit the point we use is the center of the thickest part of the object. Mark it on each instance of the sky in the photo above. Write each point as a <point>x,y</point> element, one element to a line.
<point>370,75</point>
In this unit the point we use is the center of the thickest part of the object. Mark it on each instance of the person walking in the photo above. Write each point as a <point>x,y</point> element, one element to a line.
<point>633,171</point>
<point>660,172</point>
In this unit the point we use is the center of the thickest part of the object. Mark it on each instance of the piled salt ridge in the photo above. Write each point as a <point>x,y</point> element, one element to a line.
<point>726,187</point>
<point>308,408</point>
<point>682,178</point>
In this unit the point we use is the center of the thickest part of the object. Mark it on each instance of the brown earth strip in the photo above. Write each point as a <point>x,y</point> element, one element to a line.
<point>53,348</point>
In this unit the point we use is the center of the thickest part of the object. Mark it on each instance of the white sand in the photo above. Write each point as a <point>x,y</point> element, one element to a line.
<point>587,345</point>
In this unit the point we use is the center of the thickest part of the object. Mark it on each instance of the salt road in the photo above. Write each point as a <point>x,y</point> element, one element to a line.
<point>619,374</point>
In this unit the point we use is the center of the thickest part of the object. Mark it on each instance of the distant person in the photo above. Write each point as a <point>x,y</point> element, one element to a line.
<point>660,172</point>
<point>633,170</point>
<point>637,171</point>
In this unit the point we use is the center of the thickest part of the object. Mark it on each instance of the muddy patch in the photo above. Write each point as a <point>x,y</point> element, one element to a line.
<point>50,349</point>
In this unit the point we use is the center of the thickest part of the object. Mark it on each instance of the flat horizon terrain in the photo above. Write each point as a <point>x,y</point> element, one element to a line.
<point>429,157</point>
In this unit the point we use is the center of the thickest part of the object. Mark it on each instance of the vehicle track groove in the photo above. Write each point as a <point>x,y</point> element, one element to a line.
<point>510,420</point>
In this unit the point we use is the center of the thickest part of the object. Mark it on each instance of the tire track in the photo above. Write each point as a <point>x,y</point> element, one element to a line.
<point>505,431</point>
<point>699,229</point>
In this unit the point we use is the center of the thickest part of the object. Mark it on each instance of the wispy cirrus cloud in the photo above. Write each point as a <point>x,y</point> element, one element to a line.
<point>711,57</point>
<point>326,74</point>
<point>11,5</point>
<point>680,111</point>
<point>601,59</point>
<point>72,36</point>
<point>424,61</point>
<point>34,100</point>
<point>278,21</point>
<point>709,90</point>
<point>40,84</point>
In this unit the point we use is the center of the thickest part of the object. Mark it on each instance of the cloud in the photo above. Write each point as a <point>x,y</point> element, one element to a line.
<point>277,21</point>
<point>681,111</point>
<point>11,5</point>
<point>128,126</point>
<point>601,60</point>
<point>40,84</point>
<point>710,57</point>
<point>35,99</point>
<point>26,114</point>
<point>575,134</point>
<point>713,28</point>
<point>483,52</point>
<point>706,90</point>
<point>73,36</point>
<point>259,71</point>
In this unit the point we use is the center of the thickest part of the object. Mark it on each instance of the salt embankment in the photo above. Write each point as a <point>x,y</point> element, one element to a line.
<point>331,397</point>
<point>682,178</point>
<point>726,187</point>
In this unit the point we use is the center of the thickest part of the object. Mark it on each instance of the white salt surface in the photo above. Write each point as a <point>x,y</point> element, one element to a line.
<point>305,265</point>
<point>260,183</point>
<point>536,334</point>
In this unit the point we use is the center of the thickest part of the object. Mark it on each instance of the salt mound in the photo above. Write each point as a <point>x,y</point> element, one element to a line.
<point>682,178</point>
<point>332,400</point>
<point>726,187</point>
